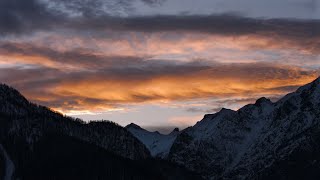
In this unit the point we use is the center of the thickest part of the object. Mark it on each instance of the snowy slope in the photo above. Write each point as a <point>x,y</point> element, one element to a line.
<point>158,144</point>
<point>239,144</point>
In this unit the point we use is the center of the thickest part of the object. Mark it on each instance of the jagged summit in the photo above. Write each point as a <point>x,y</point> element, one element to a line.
<point>175,130</point>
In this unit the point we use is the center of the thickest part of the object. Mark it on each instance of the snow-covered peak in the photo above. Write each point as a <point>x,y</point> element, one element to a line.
<point>309,91</point>
<point>247,140</point>
<point>158,144</point>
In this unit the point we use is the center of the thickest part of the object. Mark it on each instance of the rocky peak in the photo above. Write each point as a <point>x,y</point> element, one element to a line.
<point>226,111</point>
<point>175,131</point>
<point>263,100</point>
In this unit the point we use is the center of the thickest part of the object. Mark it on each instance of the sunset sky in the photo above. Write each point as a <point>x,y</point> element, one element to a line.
<point>157,63</point>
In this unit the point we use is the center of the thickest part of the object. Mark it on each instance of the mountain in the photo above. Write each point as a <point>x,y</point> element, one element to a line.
<point>38,143</point>
<point>26,122</point>
<point>264,140</point>
<point>158,144</point>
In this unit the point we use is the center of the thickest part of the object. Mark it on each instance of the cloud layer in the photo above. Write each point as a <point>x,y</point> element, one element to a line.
<point>95,56</point>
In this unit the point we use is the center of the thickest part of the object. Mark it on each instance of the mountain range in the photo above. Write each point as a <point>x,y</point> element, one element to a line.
<point>264,140</point>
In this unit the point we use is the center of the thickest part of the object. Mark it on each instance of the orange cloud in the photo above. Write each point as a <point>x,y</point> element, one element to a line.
<point>101,91</point>
<point>158,67</point>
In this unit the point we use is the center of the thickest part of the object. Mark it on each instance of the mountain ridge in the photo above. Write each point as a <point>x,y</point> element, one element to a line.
<point>233,143</point>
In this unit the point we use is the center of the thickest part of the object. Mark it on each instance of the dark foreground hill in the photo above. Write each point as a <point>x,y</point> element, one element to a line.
<point>37,143</point>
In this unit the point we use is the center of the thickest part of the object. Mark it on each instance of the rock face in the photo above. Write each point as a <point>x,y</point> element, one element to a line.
<point>158,144</point>
<point>259,141</point>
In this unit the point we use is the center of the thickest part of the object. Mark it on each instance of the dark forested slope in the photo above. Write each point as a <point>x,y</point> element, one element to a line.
<point>42,144</point>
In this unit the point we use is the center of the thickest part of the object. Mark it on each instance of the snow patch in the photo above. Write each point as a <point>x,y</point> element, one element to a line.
<point>158,144</point>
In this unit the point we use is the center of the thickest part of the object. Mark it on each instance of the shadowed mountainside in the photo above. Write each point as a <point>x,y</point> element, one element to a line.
<point>43,144</point>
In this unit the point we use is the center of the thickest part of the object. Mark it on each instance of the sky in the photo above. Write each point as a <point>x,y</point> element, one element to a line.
<point>157,63</point>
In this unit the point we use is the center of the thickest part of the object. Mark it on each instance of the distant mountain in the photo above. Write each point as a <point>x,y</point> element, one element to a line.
<point>158,144</point>
<point>264,140</point>
<point>37,143</point>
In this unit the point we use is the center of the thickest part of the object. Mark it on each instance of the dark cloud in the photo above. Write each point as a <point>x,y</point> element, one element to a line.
<point>95,17</point>
<point>221,24</point>
<point>92,61</point>
<point>153,2</point>
<point>27,16</point>
<point>82,58</point>
<point>30,15</point>
<point>301,34</point>
<point>297,34</point>
<point>24,16</point>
